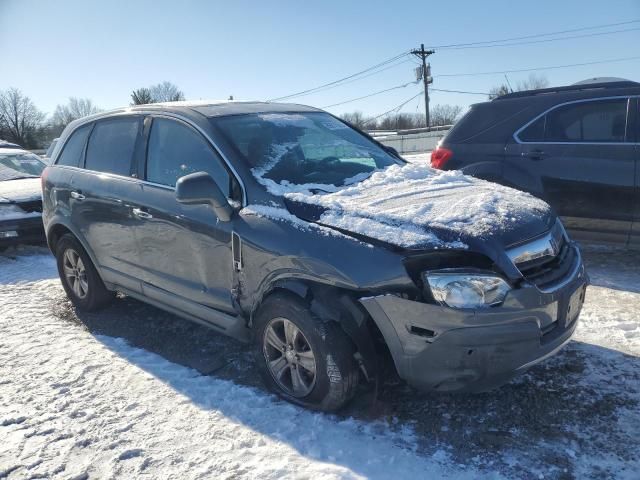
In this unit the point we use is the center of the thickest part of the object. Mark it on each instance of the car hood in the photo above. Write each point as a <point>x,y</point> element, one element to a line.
<point>20,190</point>
<point>416,207</point>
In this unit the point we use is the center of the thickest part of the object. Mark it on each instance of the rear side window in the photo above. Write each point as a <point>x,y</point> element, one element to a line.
<point>72,153</point>
<point>176,150</point>
<point>598,121</point>
<point>112,144</point>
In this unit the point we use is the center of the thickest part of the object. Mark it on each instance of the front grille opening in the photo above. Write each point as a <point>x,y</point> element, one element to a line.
<point>548,271</point>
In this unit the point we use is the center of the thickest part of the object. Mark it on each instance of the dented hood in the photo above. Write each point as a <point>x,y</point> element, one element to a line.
<point>415,207</point>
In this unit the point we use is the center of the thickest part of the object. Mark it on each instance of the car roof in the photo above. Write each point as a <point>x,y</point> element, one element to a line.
<point>587,88</point>
<point>221,108</point>
<point>194,109</point>
<point>208,108</point>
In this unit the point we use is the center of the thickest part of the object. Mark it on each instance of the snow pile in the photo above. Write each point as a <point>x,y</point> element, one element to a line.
<point>400,204</point>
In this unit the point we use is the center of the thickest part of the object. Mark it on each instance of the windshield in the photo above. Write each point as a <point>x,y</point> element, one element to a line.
<point>20,165</point>
<point>303,148</point>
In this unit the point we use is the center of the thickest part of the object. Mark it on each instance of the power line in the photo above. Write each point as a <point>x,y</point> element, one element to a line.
<point>406,60</point>
<point>458,91</point>
<point>549,67</point>
<point>537,35</point>
<point>372,94</point>
<point>546,40</point>
<point>395,109</point>
<point>366,70</point>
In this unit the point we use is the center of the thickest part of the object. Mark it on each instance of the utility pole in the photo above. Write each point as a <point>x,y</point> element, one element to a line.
<point>426,78</point>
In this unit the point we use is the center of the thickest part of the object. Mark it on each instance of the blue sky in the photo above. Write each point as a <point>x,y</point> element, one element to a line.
<point>261,50</point>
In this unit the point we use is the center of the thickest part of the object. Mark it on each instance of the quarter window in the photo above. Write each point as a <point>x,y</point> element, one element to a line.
<point>112,144</point>
<point>534,132</point>
<point>176,150</point>
<point>596,121</point>
<point>72,153</point>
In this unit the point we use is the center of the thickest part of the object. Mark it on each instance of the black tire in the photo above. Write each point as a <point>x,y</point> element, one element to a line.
<point>96,295</point>
<point>336,371</point>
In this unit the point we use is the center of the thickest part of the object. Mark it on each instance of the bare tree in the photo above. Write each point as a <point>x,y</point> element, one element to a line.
<point>357,119</point>
<point>161,92</point>
<point>498,91</point>
<point>19,117</point>
<point>74,109</point>
<point>532,83</point>
<point>166,92</point>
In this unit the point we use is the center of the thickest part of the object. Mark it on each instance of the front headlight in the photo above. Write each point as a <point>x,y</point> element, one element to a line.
<point>466,290</point>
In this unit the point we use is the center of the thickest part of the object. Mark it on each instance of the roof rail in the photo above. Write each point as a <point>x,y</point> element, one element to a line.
<point>569,88</point>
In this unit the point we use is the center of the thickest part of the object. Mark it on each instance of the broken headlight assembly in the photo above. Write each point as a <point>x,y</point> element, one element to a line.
<point>461,289</point>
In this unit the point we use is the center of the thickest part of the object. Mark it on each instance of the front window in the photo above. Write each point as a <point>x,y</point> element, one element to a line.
<point>313,150</point>
<point>20,165</point>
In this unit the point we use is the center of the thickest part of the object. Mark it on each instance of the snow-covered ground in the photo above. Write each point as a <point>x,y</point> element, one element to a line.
<point>132,392</point>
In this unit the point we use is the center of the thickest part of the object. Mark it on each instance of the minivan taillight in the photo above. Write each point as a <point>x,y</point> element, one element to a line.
<point>440,156</point>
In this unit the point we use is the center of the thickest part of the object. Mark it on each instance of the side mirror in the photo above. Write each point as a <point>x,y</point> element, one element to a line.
<point>198,189</point>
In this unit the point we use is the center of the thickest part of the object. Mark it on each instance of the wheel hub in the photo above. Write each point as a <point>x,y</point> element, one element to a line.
<point>289,357</point>
<point>289,354</point>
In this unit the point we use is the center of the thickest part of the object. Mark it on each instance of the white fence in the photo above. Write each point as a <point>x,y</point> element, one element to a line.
<point>412,141</point>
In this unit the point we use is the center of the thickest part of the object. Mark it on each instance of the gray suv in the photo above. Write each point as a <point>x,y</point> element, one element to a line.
<point>283,226</point>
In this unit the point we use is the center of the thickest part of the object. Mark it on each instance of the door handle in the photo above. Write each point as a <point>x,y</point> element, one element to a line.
<point>535,154</point>
<point>142,214</point>
<point>77,195</point>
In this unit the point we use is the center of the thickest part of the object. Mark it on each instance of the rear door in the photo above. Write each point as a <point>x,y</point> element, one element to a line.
<point>580,158</point>
<point>185,250</point>
<point>101,198</point>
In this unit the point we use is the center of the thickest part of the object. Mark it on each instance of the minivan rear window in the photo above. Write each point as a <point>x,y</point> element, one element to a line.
<point>112,144</point>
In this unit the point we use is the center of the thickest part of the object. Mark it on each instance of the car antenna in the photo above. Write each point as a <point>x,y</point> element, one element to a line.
<point>508,82</point>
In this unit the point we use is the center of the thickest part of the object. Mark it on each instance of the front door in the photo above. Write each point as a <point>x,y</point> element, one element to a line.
<point>581,156</point>
<point>185,249</point>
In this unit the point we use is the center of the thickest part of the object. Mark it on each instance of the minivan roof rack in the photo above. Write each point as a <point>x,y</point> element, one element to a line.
<point>570,88</point>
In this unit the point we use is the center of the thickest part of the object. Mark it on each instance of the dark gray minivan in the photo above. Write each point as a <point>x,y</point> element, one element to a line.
<point>281,225</point>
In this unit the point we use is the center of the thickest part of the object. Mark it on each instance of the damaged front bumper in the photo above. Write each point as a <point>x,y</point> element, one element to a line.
<point>447,349</point>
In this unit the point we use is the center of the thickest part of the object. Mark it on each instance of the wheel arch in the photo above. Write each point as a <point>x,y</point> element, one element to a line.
<point>336,304</point>
<point>57,229</point>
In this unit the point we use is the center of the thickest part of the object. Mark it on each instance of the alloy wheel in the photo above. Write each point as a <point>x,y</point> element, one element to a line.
<point>289,357</point>
<point>75,273</point>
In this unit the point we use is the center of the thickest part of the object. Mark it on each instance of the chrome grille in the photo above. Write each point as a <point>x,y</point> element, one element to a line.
<point>547,260</point>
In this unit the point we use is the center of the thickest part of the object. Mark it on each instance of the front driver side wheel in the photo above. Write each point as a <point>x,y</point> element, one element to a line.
<point>79,277</point>
<point>304,359</point>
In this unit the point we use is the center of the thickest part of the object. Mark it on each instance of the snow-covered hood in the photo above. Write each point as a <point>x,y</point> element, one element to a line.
<point>20,190</point>
<point>414,206</point>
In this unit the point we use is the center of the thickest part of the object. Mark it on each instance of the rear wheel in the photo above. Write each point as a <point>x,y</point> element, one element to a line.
<point>79,277</point>
<point>304,359</point>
